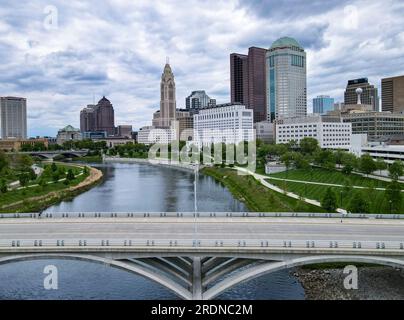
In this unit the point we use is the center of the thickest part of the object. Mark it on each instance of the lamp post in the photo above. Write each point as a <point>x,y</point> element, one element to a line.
<point>390,205</point>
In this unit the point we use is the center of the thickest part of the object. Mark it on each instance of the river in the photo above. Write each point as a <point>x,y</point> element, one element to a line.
<point>135,187</point>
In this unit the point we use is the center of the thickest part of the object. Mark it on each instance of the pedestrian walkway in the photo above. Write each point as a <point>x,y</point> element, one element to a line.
<point>263,180</point>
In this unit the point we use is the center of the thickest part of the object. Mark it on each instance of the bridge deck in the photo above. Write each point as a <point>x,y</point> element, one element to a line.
<point>223,229</point>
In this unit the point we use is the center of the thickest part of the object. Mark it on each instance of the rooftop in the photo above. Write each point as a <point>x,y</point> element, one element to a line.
<point>285,42</point>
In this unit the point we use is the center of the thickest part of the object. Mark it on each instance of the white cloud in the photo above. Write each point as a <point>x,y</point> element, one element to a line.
<point>118,48</point>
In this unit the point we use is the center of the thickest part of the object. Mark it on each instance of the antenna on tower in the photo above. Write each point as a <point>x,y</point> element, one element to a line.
<point>168,60</point>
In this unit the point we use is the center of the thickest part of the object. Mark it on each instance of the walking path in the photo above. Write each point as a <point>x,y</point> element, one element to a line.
<point>263,179</point>
<point>322,183</point>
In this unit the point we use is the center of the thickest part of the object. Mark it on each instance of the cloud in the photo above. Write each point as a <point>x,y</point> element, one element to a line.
<point>118,48</point>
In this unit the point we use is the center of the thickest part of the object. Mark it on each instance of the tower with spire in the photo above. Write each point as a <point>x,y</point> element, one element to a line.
<point>168,99</point>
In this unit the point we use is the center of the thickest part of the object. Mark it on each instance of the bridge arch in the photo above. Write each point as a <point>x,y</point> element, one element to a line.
<point>123,265</point>
<point>271,266</point>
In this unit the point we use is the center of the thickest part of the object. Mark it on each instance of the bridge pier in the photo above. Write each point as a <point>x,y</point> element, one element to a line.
<point>196,278</point>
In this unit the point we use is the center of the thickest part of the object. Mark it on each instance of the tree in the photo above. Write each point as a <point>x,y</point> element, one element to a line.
<point>394,196</point>
<point>367,164</point>
<point>329,201</point>
<point>300,162</point>
<point>349,162</point>
<point>396,170</point>
<point>3,186</point>
<point>24,161</point>
<point>70,175</point>
<point>308,145</point>
<point>55,176</point>
<point>381,165</point>
<point>358,204</point>
<point>3,161</point>
<point>287,159</point>
<point>23,178</point>
<point>42,183</point>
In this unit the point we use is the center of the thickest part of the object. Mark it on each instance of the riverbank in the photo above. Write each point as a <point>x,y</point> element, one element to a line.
<point>374,283</point>
<point>257,197</point>
<point>156,162</point>
<point>41,202</point>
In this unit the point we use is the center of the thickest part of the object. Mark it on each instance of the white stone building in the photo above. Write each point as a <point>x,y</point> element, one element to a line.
<point>68,133</point>
<point>223,124</point>
<point>150,135</point>
<point>330,132</point>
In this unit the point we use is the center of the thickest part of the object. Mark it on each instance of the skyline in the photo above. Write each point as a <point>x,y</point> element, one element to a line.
<point>114,50</point>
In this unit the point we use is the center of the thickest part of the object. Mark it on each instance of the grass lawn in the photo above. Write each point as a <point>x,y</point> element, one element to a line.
<point>330,176</point>
<point>257,197</point>
<point>22,194</point>
<point>376,198</point>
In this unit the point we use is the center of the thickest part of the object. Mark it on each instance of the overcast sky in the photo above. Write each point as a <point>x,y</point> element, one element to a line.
<point>118,48</point>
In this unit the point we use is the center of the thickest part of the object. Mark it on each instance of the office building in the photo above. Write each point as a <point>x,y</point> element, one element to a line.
<point>99,117</point>
<point>227,123</point>
<point>265,131</point>
<point>379,126</point>
<point>124,131</point>
<point>239,78</point>
<point>248,81</point>
<point>13,118</point>
<point>286,83</point>
<point>369,94</point>
<point>105,116</point>
<point>88,118</point>
<point>199,99</point>
<point>393,94</point>
<point>151,135</point>
<point>330,132</point>
<point>323,104</point>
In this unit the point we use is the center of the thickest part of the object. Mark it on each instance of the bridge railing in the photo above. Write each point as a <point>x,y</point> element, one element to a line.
<point>199,214</point>
<point>205,243</point>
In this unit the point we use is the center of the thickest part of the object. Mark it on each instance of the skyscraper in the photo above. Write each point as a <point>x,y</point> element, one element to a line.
<point>239,78</point>
<point>99,117</point>
<point>369,94</point>
<point>257,83</point>
<point>323,104</point>
<point>286,79</point>
<point>247,81</point>
<point>393,94</point>
<point>199,99</point>
<point>13,117</point>
<point>88,119</point>
<point>167,97</point>
<point>105,116</point>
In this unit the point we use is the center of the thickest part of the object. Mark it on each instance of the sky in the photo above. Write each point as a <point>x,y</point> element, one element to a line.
<point>63,55</point>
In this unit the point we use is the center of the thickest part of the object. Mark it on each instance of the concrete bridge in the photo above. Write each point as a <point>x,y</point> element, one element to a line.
<point>200,258</point>
<point>52,154</point>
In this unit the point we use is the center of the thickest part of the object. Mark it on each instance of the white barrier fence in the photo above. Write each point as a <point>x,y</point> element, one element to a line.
<point>204,243</point>
<point>199,214</point>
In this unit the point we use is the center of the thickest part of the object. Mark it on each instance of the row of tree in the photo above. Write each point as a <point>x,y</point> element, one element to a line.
<point>359,203</point>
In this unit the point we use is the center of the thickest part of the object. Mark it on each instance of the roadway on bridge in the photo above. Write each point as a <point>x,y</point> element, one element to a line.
<point>205,228</point>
